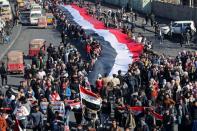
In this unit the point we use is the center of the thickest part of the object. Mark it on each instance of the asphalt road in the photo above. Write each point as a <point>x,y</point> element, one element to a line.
<point>170,47</point>
<point>22,43</point>
<point>52,36</point>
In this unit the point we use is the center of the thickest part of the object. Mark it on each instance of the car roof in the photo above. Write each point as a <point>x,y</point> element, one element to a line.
<point>188,21</point>
<point>5,3</point>
<point>36,11</point>
<point>34,4</point>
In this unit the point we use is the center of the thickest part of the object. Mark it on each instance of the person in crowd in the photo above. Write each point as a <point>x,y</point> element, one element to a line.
<point>3,73</point>
<point>37,118</point>
<point>114,126</point>
<point>57,122</point>
<point>194,116</point>
<point>21,113</point>
<point>54,96</point>
<point>3,123</point>
<point>157,92</point>
<point>99,83</point>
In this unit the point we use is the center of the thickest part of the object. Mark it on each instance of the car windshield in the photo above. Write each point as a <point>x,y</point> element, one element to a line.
<point>34,46</point>
<point>176,24</point>
<point>5,6</point>
<point>36,15</point>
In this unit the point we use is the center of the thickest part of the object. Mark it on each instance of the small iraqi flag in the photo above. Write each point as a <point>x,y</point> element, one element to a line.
<point>90,99</point>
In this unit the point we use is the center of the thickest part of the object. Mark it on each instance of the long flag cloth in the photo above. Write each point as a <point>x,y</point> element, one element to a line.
<point>127,50</point>
<point>140,109</point>
<point>73,104</point>
<point>90,99</point>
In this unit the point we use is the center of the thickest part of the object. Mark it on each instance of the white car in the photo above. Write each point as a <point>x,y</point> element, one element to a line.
<point>34,16</point>
<point>178,27</point>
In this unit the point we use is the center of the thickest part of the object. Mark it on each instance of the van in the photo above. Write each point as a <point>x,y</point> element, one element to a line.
<point>178,27</point>
<point>6,11</point>
<point>34,16</point>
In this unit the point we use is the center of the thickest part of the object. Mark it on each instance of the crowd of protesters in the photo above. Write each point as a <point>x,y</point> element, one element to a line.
<point>156,82</point>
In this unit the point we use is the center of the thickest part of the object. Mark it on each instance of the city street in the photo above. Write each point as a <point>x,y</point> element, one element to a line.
<point>103,80</point>
<point>51,36</point>
<point>22,43</point>
<point>169,47</point>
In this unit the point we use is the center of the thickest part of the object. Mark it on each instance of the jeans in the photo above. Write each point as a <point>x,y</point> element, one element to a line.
<point>67,118</point>
<point>194,125</point>
<point>3,79</point>
<point>23,123</point>
<point>89,56</point>
<point>104,119</point>
<point>37,128</point>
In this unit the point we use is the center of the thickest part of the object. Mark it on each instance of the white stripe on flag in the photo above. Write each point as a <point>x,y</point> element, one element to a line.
<point>91,99</point>
<point>124,56</point>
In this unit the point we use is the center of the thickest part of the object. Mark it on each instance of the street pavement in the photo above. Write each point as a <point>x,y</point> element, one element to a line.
<point>170,47</point>
<point>28,33</point>
<point>22,43</point>
<point>14,34</point>
<point>52,36</point>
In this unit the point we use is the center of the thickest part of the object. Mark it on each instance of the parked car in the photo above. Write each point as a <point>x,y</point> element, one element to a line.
<point>34,16</point>
<point>24,17</point>
<point>178,27</point>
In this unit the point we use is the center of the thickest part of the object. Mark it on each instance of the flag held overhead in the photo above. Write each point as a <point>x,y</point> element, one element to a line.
<point>90,99</point>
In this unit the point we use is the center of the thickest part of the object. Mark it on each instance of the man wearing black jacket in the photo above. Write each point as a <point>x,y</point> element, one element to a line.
<point>3,73</point>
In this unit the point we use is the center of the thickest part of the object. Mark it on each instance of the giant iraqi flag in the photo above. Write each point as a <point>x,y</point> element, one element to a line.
<point>90,99</point>
<point>127,50</point>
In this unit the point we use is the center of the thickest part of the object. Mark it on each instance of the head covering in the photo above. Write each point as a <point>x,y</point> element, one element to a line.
<point>99,76</point>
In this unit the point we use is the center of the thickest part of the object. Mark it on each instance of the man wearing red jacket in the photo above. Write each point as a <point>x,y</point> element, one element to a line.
<point>88,51</point>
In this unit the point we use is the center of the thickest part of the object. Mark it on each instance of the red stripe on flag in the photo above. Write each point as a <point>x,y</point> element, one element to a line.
<point>85,91</point>
<point>156,115</point>
<point>6,109</point>
<point>141,108</point>
<point>74,104</point>
<point>134,47</point>
<point>137,108</point>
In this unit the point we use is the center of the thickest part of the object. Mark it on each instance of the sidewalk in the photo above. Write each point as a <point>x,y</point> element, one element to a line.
<point>4,48</point>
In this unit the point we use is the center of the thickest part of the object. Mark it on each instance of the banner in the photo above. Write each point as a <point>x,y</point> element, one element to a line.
<point>56,106</point>
<point>139,109</point>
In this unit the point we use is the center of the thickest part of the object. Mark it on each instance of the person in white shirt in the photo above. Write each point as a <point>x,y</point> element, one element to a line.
<point>21,114</point>
<point>41,74</point>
